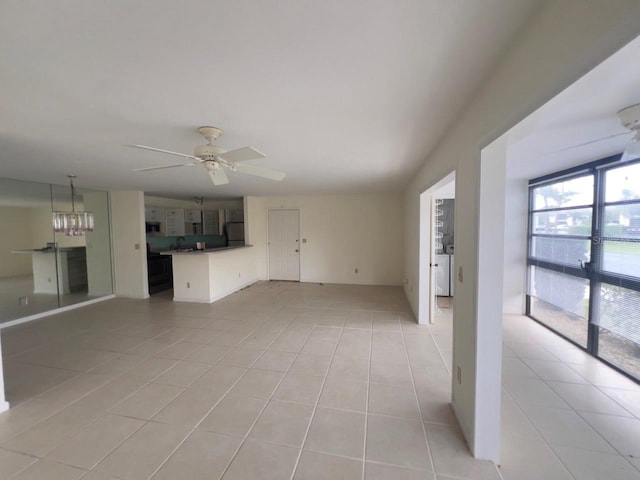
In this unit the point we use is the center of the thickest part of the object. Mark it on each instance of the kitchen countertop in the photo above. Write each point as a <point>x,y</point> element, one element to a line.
<point>47,250</point>
<point>206,250</point>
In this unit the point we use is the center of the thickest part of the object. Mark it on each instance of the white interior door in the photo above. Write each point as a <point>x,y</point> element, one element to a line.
<point>284,245</point>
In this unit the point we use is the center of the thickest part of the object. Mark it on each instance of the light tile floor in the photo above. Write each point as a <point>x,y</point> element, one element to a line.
<point>295,381</point>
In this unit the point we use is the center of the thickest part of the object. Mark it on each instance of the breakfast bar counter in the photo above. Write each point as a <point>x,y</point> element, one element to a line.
<point>204,276</point>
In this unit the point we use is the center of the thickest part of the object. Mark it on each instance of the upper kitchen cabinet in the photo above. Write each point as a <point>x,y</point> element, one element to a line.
<point>154,214</point>
<point>234,215</point>
<point>193,216</point>
<point>211,222</point>
<point>175,222</point>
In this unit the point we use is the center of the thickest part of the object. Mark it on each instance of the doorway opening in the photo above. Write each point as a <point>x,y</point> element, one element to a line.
<point>436,273</point>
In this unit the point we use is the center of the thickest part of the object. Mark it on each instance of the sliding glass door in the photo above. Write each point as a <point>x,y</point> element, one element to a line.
<point>618,321</point>
<point>584,258</point>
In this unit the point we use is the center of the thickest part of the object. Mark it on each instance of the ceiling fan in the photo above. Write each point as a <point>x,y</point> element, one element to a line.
<point>630,119</point>
<point>215,159</point>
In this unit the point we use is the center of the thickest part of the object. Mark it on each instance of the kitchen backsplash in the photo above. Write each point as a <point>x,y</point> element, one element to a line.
<point>161,244</point>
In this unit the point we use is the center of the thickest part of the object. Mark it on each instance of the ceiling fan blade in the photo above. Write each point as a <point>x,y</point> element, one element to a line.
<point>165,151</point>
<point>165,166</point>
<point>259,171</point>
<point>218,177</point>
<point>241,154</point>
<point>588,143</point>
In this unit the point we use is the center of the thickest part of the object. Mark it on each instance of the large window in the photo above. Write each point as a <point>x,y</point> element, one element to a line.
<point>584,258</point>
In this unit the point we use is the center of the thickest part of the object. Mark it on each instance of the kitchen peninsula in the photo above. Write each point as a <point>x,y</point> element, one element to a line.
<point>204,276</point>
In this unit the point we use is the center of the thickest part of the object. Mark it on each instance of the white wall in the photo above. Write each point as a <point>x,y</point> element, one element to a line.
<point>128,238</point>
<point>343,232</point>
<point>515,245</point>
<point>15,235</point>
<point>565,40</point>
<point>99,275</point>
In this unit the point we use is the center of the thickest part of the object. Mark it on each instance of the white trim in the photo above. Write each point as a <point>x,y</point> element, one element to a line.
<point>4,406</point>
<point>20,321</point>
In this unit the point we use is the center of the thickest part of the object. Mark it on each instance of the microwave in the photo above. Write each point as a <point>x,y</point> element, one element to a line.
<point>152,227</point>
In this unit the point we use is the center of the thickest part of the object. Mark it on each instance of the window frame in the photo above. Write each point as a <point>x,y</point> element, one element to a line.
<point>591,270</point>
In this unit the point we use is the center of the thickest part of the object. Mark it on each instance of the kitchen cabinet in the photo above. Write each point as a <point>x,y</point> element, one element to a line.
<point>211,224</point>
<point>153,214</point>
<point>193,216</point>
<point>175,222</point>
<point>234,215</point>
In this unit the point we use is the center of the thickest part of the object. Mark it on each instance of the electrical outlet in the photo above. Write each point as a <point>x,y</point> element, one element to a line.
<point>136,246</point>
<point>188,284</point>
<point>459,375</point>
<point>356,270</point>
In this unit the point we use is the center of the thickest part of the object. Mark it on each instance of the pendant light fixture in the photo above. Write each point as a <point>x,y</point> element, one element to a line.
<point>72,223</point>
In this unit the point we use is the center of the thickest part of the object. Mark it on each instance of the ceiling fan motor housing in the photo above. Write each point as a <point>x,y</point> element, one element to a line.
<point>207,152</point>
<point>630,117</point>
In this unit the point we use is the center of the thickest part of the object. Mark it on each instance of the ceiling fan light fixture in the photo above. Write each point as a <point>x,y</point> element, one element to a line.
<point>632,152</point>
<point>216,160</point>
<point>630,118</point>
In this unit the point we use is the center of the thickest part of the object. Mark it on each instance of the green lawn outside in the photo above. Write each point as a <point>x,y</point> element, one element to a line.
<point>630,248</point>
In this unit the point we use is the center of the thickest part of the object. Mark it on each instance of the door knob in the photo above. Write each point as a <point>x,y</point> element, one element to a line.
<point>297,250</point>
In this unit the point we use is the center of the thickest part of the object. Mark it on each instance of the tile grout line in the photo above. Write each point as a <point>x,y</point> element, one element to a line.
<point>220,400</point>
<point>618,452</point>
<point>99,417</point>
<point>571,408</point>
<point>225,395</point>
<point>366,406</point>
<point>315,406</point>
<point>145,421</point>
<point>439,350</point>
<point>417,399</point>
<point>544,440</point>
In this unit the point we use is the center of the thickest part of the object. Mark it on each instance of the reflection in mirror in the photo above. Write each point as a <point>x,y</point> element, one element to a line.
<point>40,270</point>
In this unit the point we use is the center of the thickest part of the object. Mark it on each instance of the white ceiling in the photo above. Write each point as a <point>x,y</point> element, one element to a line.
<point>344,96</point>
<point>580,124</point>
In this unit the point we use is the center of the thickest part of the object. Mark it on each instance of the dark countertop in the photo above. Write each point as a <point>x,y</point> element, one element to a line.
<point>48,250</point>
<point>205,251</point>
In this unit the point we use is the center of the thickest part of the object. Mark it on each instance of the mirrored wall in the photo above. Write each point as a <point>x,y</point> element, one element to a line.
<point>41,270</point>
